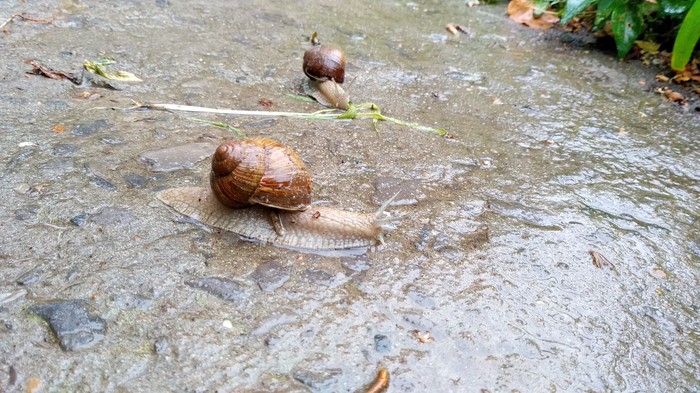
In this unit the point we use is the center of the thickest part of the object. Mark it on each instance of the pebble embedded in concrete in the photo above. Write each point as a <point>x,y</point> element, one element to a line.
<point>75,326</point>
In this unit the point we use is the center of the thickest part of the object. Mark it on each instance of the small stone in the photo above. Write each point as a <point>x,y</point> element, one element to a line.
<point>382,343</point>
<point>31,276</point>
<point>658,273</point>
<point>22,188</point>
<point>113,216</point>
<point>64,150</point>
<point>270,275</point>
<point>357,264</point>
<point>227,324</point>
<point>317,379</point>
<point>89,128</point>
<point>161,346</point>
<point>75,327</point>
<point>220,287</point>
<point>135,181</point>
<point>26,212</point>
<point>102,183</point>
<point>80,219</point>
<point>321,277</point>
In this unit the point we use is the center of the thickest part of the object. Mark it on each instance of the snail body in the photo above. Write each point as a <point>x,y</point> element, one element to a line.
<point>325,68</point>
<point>261,190</point>
<point>317,228</point>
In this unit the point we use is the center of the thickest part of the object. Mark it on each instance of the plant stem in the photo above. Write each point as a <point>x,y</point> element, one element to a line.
<point>360,111</point>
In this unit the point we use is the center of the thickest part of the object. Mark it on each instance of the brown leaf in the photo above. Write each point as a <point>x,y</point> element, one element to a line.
<point>689,73</point>
<point>671,95</point>
<point>523,11</point>
<point>674,96</point>
<point>39,69</point>
<point>58,128</point>
<point>265,102</point>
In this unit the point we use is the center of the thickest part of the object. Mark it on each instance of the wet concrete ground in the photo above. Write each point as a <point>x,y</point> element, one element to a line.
<point>488,283</point>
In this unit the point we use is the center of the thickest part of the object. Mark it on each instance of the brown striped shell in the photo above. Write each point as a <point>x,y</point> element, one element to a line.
<point>260,171</point>
<point>324,63</point>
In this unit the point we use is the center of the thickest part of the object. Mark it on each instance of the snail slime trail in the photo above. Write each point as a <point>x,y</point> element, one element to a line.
<point>261,190</point>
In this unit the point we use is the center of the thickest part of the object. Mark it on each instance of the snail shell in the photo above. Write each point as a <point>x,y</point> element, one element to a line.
<point>317,228</point>
<point>324,63</point>
<point>325,67</point>
<point>260,171</point>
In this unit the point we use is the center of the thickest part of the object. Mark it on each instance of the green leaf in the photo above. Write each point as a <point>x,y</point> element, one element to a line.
<point>540,7</point>
<point>674,6</point>
<point>105,61</point>
<point>627,25</point>
<point>573,8</point>
<point>687,38</point>
<point>101,70</point>
<point>602,13</point>
<point>650,47</point>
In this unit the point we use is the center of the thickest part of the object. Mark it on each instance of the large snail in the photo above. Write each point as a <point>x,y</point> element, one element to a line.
<point>325,67</point>
<point>287,219</point>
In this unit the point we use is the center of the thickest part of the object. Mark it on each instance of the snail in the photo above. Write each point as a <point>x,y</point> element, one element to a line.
<point>325,68</point>
<point>260,171</point>
<point>298,224</point>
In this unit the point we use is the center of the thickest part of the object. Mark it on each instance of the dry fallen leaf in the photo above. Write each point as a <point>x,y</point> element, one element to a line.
<point>523,11</point>
<point>423,338</point>
<point>690,72</point>
<point>671,95</point>
<point>39,69</point>
<point>265,102</point>
<point>58,128</point>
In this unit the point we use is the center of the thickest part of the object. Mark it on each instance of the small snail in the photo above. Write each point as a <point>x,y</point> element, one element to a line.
<point>300,225</point>
<point>325,67</point>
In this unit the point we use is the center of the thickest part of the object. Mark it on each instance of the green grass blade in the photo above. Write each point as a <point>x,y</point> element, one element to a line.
<point>687,38</point>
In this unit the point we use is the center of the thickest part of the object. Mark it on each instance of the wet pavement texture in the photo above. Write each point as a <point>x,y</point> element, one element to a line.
<point>487,284</point>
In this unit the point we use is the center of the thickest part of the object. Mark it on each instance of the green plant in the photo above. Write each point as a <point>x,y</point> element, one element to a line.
<point>687,38</point>
<point>629,18</point>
